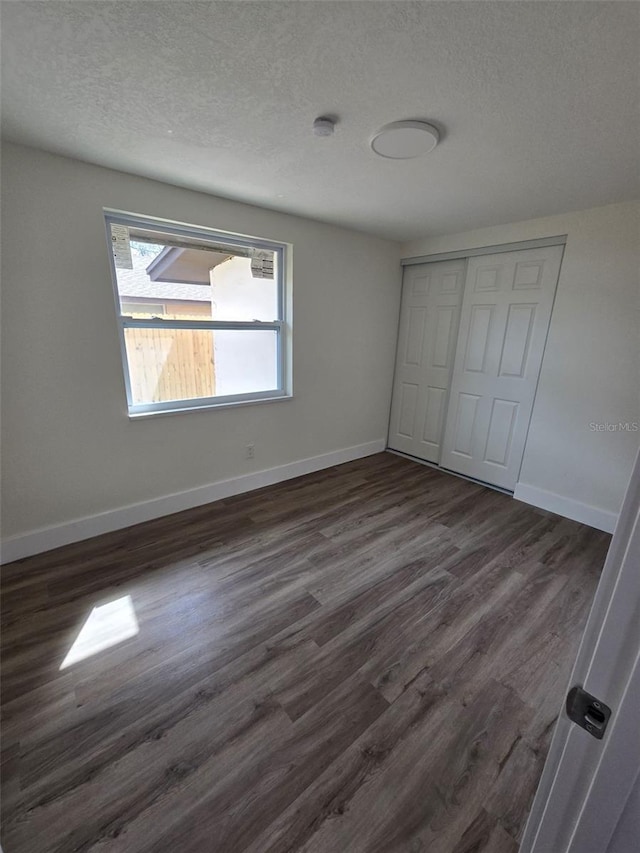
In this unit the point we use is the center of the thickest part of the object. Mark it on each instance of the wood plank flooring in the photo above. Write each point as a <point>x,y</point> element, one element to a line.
<point>370,658</point>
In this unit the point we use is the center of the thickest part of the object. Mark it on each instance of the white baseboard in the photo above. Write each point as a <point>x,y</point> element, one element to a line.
<point>47,538</point>
<point>601,519</point>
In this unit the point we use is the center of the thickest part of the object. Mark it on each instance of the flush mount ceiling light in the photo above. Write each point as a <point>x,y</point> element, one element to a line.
<point>403,140</point>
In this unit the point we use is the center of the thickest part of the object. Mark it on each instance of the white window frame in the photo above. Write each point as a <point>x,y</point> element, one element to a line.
<point>280,325</point>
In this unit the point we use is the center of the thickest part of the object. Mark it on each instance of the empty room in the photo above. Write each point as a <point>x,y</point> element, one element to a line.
<point>320,520</point>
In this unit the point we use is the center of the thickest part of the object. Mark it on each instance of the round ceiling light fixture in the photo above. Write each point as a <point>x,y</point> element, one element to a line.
<point>404,140</point>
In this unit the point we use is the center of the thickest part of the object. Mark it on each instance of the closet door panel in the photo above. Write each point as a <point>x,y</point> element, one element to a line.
<point>429,315</point>
<point>504,321</point>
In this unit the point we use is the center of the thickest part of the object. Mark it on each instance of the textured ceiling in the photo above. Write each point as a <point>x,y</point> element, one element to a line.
<point>538,102</point>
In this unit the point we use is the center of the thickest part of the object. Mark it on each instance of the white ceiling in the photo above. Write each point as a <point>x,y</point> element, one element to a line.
<point>537,101</point>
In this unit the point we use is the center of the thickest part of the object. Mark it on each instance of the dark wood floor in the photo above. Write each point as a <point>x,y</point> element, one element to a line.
<point>370,658</point>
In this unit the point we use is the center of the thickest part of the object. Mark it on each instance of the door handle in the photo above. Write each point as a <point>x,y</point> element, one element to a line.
<point>587,711</point>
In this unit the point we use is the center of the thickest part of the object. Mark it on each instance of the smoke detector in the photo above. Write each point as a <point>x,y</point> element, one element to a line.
<point>404,140</point>
<point>324,126</point>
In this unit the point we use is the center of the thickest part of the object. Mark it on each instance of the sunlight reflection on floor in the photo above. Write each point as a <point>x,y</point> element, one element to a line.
<point>106,626</point>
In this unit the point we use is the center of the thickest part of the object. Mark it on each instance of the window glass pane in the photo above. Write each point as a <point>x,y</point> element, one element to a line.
<point>237,294</point>
<point>190,278</point>
<point>182,364</point>
<point>245,361</point>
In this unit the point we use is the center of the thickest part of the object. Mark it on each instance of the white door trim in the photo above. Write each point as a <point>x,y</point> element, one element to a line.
<point>586,782</point>
<point>540,243</point>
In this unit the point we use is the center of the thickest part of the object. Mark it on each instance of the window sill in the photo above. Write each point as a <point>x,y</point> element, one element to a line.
<point>135,416</point>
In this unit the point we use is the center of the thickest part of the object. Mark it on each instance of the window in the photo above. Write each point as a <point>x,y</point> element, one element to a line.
<point>201,315</point>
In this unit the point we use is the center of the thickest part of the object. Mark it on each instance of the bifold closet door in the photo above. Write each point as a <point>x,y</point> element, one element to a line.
<point>431,300</point>
<point>503,329</point>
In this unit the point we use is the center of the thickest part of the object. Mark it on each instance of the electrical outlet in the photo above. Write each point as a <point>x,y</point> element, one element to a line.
<point>250,451</point>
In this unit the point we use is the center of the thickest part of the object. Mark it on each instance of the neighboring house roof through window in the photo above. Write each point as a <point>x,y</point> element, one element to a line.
<point>132,283</point>
<point>186,266</point>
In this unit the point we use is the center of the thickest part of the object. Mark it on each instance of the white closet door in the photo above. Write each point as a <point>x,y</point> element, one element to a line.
<point>503,328</point>
<point>431,299</point>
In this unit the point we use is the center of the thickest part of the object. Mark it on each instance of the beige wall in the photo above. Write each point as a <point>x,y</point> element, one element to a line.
<point>590,373</point>
<point>69,449</point>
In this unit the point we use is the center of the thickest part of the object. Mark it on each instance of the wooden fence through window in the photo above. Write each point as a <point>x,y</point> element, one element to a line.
<point>170,364</point>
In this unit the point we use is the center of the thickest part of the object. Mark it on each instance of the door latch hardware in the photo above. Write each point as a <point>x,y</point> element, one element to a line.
<point>587,711</point>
